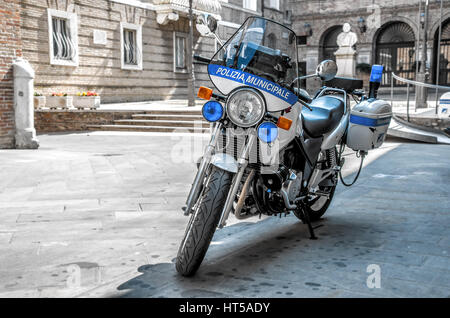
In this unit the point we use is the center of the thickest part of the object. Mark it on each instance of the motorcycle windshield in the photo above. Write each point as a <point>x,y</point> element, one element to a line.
<point>262,54</point>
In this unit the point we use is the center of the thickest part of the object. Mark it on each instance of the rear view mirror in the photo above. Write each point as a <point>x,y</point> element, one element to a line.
<point>326,70</point>
<point>206,24</point>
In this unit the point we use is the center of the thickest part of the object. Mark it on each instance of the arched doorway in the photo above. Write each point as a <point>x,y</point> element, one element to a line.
<point>272,38</point>
<point>395,50</point>
<point>328,43</point>
<point>444,56</point>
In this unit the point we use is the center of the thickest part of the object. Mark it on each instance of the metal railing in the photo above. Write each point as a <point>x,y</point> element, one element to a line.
<point>417,84</point>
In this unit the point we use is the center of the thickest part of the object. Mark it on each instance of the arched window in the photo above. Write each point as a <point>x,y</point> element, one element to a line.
<point>444,56</point>
<point>328,43</point>
<point>395,50</point>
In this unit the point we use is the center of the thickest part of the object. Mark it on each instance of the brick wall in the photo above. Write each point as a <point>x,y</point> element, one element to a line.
<point>46,121</point>
<point>10,47</point>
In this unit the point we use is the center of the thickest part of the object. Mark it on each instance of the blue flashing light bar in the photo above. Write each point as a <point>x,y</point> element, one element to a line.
<point>376,74</point>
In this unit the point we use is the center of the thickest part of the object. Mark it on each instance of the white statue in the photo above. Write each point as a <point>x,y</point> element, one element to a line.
<point>346,39</point>
<point>346,54</point>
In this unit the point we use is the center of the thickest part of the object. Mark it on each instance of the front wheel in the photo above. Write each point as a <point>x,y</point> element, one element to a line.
<point>203,222</point>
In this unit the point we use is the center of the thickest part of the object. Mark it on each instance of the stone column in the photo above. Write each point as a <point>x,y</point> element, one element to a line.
<point>23,105</point>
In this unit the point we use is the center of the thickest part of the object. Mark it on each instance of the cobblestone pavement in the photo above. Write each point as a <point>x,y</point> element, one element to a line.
<point>98,215</point>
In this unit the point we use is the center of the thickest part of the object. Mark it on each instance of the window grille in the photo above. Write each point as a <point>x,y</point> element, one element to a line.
<point>131,54</point>
<point>63,46</point>
<point>180,53</point>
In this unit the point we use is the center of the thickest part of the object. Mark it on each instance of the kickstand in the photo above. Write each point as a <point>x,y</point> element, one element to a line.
<point>307,220</point>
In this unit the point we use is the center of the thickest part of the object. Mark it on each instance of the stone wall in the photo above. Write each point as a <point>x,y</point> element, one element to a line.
<point>99,66</point>
<point>10,48</point>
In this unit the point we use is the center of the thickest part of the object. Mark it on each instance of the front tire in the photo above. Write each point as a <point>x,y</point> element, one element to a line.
<point>203,222</point>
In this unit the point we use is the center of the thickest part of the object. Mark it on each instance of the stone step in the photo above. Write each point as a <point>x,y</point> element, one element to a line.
<point>167,129</point>
<point>168,117</point>
<point>173,112</point>
<point>163,123</point>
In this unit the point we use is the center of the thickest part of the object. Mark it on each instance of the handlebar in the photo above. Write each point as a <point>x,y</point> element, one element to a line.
<point>203,60</point>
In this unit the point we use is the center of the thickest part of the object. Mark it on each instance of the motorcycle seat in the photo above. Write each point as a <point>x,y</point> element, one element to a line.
<point>325,116</point>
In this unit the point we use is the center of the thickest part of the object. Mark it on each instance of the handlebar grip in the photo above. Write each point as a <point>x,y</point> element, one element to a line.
<point>305,104</point>
<point>305,98</point>
<point>202,59</point>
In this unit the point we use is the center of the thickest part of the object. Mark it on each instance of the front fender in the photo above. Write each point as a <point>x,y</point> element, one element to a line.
<point>225,162</point>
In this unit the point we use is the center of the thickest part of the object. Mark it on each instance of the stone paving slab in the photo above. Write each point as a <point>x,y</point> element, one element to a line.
<point>108,208</point>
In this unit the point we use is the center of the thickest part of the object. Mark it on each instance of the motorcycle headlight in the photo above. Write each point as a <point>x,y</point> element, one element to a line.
<point>245,107</point>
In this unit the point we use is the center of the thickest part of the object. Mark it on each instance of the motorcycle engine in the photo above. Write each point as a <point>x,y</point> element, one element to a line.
<point>275,181</point>
<point>293,185</point>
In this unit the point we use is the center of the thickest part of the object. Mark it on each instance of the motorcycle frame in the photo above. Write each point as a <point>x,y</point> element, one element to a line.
<point>226,162</point>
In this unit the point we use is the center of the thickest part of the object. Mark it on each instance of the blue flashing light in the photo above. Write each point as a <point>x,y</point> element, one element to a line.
<point>267,132</point>
<point>376,74</point>
<point>212,111</point>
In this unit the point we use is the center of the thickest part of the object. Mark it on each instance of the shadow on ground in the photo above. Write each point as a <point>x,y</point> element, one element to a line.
<point>396,218</point>
<point>269,261</point>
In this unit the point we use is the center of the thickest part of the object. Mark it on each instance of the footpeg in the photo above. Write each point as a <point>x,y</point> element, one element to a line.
<point>185,211</point>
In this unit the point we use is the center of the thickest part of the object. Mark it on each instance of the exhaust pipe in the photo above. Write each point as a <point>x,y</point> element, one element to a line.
<point>242,196</point>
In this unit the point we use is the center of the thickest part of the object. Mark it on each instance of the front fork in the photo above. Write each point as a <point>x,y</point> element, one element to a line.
<point>242,165</point>
<point>204,164</point>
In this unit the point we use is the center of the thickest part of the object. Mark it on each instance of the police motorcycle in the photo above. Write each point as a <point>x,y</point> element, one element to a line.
<point>273,148</point>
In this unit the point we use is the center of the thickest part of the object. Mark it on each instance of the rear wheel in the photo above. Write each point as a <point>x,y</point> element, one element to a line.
<point>203,222</point>
<point>317,205</point>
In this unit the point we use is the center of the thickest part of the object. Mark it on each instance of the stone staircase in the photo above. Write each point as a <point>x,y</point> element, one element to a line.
<point>180,121</point>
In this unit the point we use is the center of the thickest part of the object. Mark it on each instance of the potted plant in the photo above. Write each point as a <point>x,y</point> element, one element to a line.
<point>59,100</point>
<point>39,100</point>
<point>87,99</point>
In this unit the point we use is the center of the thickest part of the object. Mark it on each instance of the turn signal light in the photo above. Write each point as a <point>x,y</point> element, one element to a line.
<point>284,123</point>
<point>205,92</point>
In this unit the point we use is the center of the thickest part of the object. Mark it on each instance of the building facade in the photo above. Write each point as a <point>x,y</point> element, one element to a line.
<point>125,50</point>
<point>390,32</point>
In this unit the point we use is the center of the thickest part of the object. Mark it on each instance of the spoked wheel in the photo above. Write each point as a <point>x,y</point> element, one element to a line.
<point>203,222</point>
<point>317,205</point>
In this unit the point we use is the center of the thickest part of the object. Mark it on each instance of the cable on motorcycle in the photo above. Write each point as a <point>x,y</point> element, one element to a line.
<point>361,154</point>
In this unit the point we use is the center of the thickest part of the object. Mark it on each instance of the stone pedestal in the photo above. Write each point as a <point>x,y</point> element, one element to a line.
<point>346,62</point>
<point>24,105</point>
<point>421,92</point>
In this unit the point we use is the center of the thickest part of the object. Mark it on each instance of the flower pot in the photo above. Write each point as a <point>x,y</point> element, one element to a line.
<point>54,102</point>
<point>39,102</point>
<point>91,102</point>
